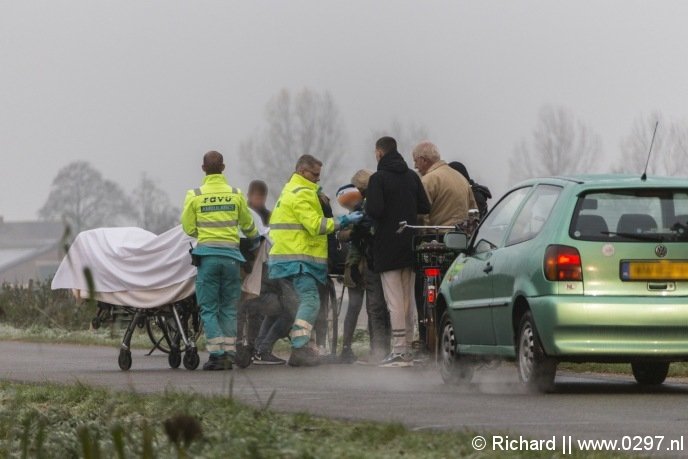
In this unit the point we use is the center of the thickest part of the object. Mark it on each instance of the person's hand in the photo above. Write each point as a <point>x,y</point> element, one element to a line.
<point>351,219</point>
<point>355,217</point>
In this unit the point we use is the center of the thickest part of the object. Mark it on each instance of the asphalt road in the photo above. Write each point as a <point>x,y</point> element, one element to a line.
<point>606,407</point>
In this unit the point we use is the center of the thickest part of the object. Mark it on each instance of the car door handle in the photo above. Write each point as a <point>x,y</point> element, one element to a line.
<point>488,268</point>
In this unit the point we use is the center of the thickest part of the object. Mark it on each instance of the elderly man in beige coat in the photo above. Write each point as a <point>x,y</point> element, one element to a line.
<point>449,192</point>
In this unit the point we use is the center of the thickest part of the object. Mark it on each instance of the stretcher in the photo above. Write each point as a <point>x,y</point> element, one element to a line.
<point>135,276</point>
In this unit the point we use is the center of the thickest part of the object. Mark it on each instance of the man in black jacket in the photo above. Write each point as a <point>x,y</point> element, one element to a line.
<point>395,194</point>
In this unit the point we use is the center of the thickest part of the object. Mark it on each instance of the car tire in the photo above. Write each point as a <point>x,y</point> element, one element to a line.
<point>650,373</point>
<point>535,369</point>
<point>453,369</point>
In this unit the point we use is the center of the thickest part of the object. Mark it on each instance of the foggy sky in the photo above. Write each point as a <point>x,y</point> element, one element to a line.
<point>135,86</point>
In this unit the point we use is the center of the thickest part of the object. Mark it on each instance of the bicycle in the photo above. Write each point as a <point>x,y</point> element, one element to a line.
<point>433,259</point>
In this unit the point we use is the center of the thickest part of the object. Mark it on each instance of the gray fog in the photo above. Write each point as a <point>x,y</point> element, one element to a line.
<point>150,86</point>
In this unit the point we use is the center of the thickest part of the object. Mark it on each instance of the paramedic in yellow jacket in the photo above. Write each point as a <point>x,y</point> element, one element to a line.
<point>213,214</point>
<point>298,257</point>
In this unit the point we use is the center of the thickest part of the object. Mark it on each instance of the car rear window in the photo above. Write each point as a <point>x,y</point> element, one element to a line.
<point>631,215</point>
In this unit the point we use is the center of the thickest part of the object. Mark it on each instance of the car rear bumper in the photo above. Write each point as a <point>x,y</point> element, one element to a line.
<point>612,328</point>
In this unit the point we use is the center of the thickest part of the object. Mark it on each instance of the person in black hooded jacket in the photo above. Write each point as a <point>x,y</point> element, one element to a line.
<point>396,194</point>
<point>481,193</point>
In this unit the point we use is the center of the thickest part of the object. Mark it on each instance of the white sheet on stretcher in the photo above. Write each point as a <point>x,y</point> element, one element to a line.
<point>125,259</point>
<point>144,298</point>
<point>132,266</point>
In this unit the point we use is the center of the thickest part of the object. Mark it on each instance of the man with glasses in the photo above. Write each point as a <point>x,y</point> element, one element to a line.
<point>298,257</point>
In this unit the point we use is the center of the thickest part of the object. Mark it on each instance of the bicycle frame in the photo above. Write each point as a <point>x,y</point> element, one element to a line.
<point>433,258</point>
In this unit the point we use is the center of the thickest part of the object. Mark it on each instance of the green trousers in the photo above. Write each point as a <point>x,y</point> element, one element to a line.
<point>218,289</point>
<point>306,288</point>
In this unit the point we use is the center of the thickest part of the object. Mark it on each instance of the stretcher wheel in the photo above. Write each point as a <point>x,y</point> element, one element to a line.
<point>191,359</point>
<point>124,360</point>
<point>174,358</point>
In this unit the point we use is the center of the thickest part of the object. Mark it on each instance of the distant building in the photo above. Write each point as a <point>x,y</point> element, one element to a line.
<point>29,251</point>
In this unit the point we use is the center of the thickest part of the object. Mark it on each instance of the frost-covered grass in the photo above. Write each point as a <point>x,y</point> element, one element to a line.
<point>47,421</point>
<point>103,336</point>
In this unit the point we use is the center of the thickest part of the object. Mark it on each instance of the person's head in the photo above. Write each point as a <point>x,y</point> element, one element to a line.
<point>349,197</point>
<point>360,179</point>
<point>461,169</point>
<point>309,167</point>
<point>213,163</point>
<point>257,194</point>
<point>424,156</point>
<point>383,146</point>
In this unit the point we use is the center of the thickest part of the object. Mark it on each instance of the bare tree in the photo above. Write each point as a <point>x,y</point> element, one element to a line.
<point>561,144</point>
<point>305,123</point>
<point>407,136</point>
<point>669,152</point>
<point>154,210</point>
<point>84,199</point>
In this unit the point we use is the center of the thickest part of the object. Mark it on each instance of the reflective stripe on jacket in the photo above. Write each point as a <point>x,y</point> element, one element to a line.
<point>214,213</point>
<point>298,227</point>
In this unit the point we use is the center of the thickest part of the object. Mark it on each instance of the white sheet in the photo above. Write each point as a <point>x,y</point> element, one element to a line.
<point>126,259</point>
<point>144,298</point>
<point>131,260</point>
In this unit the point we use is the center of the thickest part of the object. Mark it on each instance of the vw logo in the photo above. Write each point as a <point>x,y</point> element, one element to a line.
<point>661,251</point>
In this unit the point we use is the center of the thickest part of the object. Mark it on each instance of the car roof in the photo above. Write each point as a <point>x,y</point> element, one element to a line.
<point>587,181</point>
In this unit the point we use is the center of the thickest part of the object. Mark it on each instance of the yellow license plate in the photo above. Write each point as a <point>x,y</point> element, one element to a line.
<point>654,270</point>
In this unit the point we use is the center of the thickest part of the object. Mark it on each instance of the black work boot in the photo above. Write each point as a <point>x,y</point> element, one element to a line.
<point>304,357</point>
<point>218,362</point>
<point>244,356</point>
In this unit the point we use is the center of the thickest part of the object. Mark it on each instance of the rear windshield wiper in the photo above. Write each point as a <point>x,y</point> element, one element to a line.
<point>636,236</point>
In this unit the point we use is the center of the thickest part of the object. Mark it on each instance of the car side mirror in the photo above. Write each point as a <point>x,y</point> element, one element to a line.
<point>456,240</point>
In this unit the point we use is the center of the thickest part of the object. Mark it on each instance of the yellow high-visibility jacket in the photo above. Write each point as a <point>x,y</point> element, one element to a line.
<point>214,213</point>
<point>298,227</point>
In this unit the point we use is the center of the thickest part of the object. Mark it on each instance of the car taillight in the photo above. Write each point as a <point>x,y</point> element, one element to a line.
<point>432,272</point>
<point>563,263</point>
<point>431,294</point>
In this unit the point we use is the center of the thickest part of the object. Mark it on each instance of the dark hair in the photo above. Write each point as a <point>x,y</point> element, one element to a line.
<point>461,169</point>
<point>307,161</point>
<point>386,145</point>
<point>213,162</point>
<point>258,186</point>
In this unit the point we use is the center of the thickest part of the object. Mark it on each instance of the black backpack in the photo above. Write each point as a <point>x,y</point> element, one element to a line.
<point>481,193</point>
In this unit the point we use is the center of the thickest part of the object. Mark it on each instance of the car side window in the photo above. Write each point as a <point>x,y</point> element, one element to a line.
<point>534,214</point>
<point>493,229</point>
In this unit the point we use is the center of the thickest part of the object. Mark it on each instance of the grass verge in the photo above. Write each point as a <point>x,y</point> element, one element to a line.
<point>79,421</point>
<point>104,336</point>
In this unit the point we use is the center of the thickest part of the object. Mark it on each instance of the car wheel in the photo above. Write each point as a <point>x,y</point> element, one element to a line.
<point>650,373</point>
<point>454,370</point>
<point>535,370</point>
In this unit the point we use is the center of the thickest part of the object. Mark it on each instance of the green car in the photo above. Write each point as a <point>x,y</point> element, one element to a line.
<point>578,269</point>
